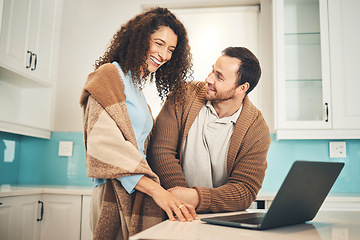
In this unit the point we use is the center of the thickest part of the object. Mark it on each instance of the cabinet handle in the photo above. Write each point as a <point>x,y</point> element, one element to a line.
<point>42,211</point>
<point>326,112</point>
<point>30,59</point>
<point>35,62</point>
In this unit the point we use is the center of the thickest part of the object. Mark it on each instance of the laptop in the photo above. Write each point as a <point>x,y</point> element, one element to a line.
<point>298,200</point>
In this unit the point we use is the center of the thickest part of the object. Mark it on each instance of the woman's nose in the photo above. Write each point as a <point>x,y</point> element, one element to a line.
<point>164,55</point>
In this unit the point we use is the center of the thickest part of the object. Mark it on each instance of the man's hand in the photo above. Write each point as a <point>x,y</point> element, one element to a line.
<point>188,195</point>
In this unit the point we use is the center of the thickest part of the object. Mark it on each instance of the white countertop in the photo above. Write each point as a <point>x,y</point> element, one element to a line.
<point>326,225</point>
<point>18,190</point>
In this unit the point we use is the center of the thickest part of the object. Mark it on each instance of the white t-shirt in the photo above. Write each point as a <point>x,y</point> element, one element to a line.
<point>206,146</point>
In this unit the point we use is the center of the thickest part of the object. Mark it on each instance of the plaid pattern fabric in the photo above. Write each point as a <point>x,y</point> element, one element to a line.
<point>111,152</point>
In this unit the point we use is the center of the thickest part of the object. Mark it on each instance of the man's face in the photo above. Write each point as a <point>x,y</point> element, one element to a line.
<point>221,80</point>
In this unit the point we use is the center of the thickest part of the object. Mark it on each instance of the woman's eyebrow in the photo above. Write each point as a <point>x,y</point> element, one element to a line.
<point>163,41</point>
<point>159,39</point>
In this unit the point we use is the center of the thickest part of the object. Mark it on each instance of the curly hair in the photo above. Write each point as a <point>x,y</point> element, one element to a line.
<point>130,44</point>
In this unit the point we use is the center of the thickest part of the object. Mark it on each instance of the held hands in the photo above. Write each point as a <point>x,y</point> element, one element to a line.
<point>172,205</point>
<point>188,195</point>
<point>167,201</point>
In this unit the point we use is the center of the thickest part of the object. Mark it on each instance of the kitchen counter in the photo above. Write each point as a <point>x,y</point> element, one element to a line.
<point>326,225</point>
<point>19,190</point>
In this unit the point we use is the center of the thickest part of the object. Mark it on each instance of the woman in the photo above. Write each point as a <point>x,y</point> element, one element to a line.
<point>128,197</point>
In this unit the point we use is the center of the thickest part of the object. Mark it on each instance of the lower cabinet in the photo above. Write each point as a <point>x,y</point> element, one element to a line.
<point>18,217</point>
<point>41,216</point>
<point>62,217</point>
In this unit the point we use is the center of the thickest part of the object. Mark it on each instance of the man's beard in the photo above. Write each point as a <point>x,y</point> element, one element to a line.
<point>221,97</point>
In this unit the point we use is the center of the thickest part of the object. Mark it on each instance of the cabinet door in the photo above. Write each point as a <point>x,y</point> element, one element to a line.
<point>7,216</point>
<point>29,39</point>
<point>18,217</point>
<point>44,34</point>
<point>302,65</point>
<point>28,226</point>
<point>344,19</point>
<point>14,53</point>
<point>28,60</point>
<point>62,217</point>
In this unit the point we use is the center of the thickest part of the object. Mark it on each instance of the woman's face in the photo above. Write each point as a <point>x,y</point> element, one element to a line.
<point>162,45</point>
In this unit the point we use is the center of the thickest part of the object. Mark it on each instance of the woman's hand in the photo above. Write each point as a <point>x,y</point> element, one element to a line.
<point>167,201</point>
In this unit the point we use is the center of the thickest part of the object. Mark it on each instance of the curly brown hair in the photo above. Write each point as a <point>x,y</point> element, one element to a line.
<point>129,47</point>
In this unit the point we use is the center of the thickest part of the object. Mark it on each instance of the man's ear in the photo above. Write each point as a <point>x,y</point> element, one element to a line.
<point>243,88</point>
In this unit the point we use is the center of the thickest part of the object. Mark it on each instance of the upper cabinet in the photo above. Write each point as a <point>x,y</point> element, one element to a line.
<point>304,67</point>
<point>344,19</point>
<point>30,33</point>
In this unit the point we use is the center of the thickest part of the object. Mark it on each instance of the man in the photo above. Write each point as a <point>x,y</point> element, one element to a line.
<point>210,149</point>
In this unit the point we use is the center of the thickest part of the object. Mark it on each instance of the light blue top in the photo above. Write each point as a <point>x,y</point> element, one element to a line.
<point>141,121</point>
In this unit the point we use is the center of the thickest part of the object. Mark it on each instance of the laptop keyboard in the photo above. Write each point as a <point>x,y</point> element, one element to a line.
<point>249,218</point>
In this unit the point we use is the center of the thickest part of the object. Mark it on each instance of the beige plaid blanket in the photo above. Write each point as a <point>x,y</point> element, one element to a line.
<point>111,152</point>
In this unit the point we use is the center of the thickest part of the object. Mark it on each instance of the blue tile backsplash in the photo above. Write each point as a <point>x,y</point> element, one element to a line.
<point>37,161</point>
<point>28,161</point>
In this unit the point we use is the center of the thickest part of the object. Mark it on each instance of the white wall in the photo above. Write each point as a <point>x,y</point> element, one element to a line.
<point>88,26</point>
<point>266,84</point>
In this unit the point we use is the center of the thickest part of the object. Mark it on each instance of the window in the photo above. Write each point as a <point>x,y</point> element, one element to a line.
<point>210,31</point>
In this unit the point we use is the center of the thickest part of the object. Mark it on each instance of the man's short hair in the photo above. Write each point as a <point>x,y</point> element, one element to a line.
<point>249,70</point>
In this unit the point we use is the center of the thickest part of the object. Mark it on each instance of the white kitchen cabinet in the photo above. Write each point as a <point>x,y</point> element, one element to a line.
<point>1,12</point>
<point>302,77</point>
<point>18,217</point>
<point>29,40</point>
<point>344,21</point>
<point>307,104</point>
<point>62,217</point>
<point>43,217</point>
<point>30,30</point>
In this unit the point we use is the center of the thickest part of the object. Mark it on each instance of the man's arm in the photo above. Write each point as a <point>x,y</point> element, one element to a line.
<point>162,153</point>
<point>245,181</point>
<point>243,184</point>
<point>237,194</point>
